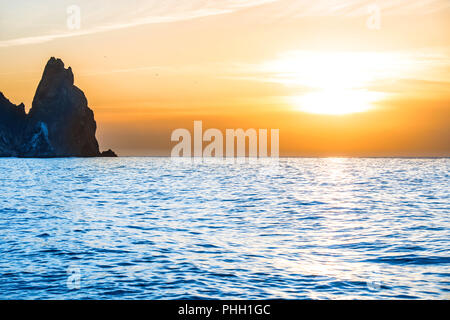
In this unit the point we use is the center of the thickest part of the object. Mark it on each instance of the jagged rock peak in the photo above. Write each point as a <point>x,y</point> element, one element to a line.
<point>7,106</point>
<point>5,103</point>
<point>59,124</point>
<point>54,78</point>
<point>55,68</point>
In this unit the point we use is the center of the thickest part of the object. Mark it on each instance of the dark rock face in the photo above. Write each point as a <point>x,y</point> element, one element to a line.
<point>109,154</point>
<point>12,125</point>
<point>59,124</point>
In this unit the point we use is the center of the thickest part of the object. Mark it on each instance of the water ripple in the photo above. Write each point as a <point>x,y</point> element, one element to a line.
<point>155,228</point>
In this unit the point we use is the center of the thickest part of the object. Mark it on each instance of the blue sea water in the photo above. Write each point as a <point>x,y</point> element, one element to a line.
<point>157,228</point>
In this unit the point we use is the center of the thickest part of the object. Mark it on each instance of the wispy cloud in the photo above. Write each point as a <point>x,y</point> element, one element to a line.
<point>349,8</point>
<point>104,15</point>
<point>141,13</point>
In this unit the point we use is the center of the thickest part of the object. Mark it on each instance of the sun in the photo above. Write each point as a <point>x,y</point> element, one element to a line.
<point>333,83</point>
<point>335,102</point>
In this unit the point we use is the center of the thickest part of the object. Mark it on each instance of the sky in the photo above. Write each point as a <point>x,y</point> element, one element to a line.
<point>337,78</point>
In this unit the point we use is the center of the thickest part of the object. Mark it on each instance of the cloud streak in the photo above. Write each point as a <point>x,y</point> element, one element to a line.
<point>173,11</point>
<point>102,16</point>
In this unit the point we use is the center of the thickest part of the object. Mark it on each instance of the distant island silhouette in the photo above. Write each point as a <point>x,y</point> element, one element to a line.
<point>59,123</point>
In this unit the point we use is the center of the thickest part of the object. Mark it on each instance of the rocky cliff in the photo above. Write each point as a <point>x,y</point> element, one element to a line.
<point>12,126</point>
<point>59,124</point>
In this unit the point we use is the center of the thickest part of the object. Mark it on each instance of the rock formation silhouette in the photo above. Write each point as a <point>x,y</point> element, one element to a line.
<point>59,124</point>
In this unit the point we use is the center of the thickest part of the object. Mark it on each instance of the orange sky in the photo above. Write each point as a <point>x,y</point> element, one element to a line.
<point>332,84</point>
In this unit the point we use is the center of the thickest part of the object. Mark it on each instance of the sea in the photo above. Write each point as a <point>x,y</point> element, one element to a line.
<point>162,228</point>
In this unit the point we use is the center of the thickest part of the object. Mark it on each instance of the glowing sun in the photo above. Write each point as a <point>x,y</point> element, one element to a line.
<point>334,83</point>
